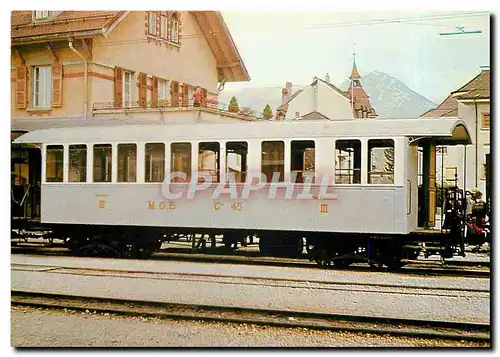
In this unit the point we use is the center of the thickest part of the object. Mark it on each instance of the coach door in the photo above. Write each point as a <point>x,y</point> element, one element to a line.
<point>26,165</point>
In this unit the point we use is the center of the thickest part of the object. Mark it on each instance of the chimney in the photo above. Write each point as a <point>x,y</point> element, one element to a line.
<point>327,78</point>
<point>284,96</point>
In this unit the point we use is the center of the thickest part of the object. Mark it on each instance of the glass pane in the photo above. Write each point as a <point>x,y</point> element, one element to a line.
<point>127,162</point>
<point>209,160</point>
<point>273,159</point>
<point>236,160</point>
<point>348,162</point>
<point>155,162</point>
<point>381,161</point>
<point>77,163</point>
<point>301,159</point>
<point>54,163</point>
<point>102,163</point>
<point>181,160</point>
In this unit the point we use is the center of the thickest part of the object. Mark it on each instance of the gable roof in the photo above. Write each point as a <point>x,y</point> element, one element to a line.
<point>448,107</point>
<point>477,88</point>
<point>345,94</point>
<point>93,23</point>
<point>87,23</point>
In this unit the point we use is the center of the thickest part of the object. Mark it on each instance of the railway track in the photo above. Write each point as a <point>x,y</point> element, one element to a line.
<point>413,267</point>
<point>226,279</point>
<point>282,318</point>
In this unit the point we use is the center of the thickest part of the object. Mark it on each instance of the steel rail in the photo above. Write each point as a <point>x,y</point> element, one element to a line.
<point>463,331</point>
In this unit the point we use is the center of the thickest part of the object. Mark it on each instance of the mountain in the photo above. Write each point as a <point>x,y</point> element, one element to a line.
<point>391,98</point>
<point>255,98</point>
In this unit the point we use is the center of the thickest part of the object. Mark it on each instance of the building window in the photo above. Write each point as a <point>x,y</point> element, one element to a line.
<point>273,159</point>
<point>485,124</point>
<point>155,162</point>
<point>43,15</point>
<point>348,161</point>
<point>127,88</point>
<point>174,31</point>
<point>42,87</point>
<point>180,160</point>
<point>163,26</point>
<point>209,160</point>
<point>77,171</point>
<point>163,89</point>
<point>102,162</point>
<point>127,162</point>
<point>381,161</point>
<point>152,23</point>
<point>54,163</point>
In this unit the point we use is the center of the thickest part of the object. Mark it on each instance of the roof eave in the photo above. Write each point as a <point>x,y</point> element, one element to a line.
<point>54,37</point>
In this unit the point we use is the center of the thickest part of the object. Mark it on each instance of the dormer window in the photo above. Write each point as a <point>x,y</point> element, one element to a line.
<point>43,15</point>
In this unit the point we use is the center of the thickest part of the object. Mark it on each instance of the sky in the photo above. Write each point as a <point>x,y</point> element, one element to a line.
<point>295,46</point>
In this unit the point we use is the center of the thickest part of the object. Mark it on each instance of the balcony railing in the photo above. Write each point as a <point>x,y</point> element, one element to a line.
<point>223,108</point>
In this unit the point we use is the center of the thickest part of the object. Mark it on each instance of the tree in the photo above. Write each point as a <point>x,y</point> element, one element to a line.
<point>233,105</point>
<point>268,113</point>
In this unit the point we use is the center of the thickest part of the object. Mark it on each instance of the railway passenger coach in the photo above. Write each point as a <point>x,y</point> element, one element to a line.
<point>128,188</point>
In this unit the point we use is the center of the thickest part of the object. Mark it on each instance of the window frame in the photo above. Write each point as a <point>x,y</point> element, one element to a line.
<point>369,161</point>
<point>152,16</point>
<point>81,146</point>
<point>336,172</point>
<point>283,160</point>
<point>189,160</point>
<point>128,95</point>
<point>61,162</point>
<point>163,89</point>
<point>120,169</point>
<point>109,165</point>
<point>483,127</point>
<point>174,24</point>
<point>151,163</point>
<point>39,89</point>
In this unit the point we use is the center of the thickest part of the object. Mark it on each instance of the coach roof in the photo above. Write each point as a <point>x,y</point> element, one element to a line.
<point>449,131</point>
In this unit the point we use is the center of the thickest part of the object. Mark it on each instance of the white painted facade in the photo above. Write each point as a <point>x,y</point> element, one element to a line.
<point>454,158</point>
<point>320,97</point>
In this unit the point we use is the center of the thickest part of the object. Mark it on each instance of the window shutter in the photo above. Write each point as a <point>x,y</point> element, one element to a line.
<point>57,83</point>
<point>143,89</point>
<point>118,87</point>
<point>158,24</point>
<point>21,85</point>
<point>154,93</point>
<point>175,93</point>
<point>169,26</point>
<point>185,94</point>
<point>204,97</point>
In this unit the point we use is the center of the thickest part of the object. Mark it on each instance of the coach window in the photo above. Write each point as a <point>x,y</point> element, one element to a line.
<point>236,160</point>
<point>54,158</point>
<point>381,161</point>
<point>302,159</point>
<point>209,160</point>
<point>155,162</point>
<point>127,162</point>
<point>347,161</point>
<point>102,163</point>
<point>77,163</point>
<point>273,159</point>
<point>180,160</point>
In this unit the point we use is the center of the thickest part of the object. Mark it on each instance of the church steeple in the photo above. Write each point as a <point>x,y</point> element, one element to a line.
<point>354,73</point>
<point>359,99</point>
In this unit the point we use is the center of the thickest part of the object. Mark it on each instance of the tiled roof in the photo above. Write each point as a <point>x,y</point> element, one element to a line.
<point>284,107</point>
<point>23,26</point>
<point>354,73</point>
<point>449,105</point>
<point>476,88</point>
<point>314,116</point>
